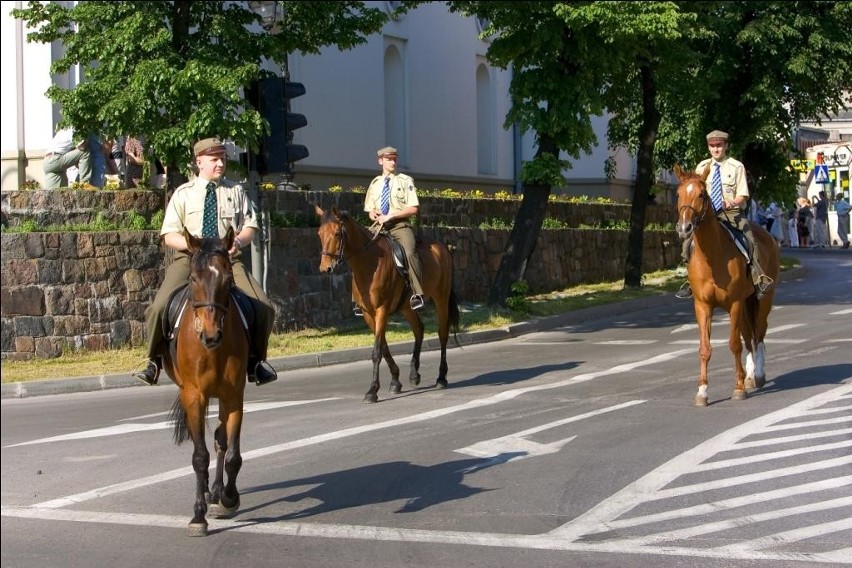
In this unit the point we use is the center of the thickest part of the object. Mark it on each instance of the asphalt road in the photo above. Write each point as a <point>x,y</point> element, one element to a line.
<point>571,441</point>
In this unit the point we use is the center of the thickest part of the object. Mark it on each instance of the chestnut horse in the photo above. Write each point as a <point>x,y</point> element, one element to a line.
<point>208,359</point>
<point>720,278</point>
<point>381,291</point>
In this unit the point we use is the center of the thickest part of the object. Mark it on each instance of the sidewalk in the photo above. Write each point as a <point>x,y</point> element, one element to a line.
<point>326,358</point>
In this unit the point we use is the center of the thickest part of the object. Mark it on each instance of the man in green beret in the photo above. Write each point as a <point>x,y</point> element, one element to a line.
<point>730,175</point>
<point>227,206</point>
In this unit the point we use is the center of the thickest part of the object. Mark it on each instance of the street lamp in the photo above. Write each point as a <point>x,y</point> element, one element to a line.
<point>271,14</point>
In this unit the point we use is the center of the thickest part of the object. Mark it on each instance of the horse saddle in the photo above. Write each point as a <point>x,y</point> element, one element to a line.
<point>179,300</point>
<point>738,237</point>
<point>398,254</point>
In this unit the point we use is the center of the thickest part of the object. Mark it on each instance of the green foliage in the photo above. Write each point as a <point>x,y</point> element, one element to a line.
<point>551,223</point>
<point>495,223</point>
<point>157,220</point>
<point>176,71</point>
<point>517,299</point>
<point>136,222</point>
<point>30,185</point>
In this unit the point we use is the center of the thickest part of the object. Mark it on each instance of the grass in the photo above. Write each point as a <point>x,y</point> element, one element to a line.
<point>356,334</point>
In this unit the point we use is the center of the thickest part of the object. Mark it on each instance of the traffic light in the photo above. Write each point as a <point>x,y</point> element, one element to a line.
<point>271,97</point>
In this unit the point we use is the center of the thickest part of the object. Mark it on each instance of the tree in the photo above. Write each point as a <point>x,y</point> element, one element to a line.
<point>665,73</point>
<point>568,60</point>
<point>176,71</point>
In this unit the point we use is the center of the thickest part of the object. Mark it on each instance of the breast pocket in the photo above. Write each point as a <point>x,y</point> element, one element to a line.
<point>194,219</point>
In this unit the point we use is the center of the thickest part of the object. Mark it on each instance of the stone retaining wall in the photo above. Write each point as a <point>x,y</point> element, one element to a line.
<point>90,290</point>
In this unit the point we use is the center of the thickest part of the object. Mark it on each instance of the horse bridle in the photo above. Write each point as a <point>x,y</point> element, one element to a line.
<point>340,255</point>
<point>215,305</point>
<point>698,217</point>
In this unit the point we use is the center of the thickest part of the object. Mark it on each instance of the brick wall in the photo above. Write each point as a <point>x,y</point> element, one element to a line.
<point>90,290</point>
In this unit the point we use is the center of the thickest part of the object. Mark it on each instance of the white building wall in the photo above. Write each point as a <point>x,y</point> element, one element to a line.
<point>345,108</point>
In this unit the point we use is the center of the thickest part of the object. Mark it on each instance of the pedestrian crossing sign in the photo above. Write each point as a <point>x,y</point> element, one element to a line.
<point>821,173</point>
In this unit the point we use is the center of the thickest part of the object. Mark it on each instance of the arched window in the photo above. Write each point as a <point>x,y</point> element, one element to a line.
<point>396,117</point>
<point>485,122</point>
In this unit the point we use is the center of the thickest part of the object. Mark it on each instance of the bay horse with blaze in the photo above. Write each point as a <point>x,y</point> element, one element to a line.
<point>380,290</point>
<point>718,274</point>
<point>208,359</point>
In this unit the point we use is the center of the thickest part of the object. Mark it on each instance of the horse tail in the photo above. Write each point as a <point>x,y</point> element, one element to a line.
<point>177,415</point>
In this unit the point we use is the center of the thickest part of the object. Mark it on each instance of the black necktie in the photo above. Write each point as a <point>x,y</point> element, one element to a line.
<point>210,224</point>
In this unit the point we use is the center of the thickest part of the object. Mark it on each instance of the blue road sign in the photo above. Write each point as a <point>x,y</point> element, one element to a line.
<point>821,173</point>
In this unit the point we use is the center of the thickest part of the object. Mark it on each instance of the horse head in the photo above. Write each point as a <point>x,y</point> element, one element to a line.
<point>210,280</point>
<point>332,235</point>
<point>693,202</point>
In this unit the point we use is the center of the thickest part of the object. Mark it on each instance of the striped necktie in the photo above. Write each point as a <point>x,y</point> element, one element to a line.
<point>716,188</point>
<point>386,196</point>
<point>210,225</point>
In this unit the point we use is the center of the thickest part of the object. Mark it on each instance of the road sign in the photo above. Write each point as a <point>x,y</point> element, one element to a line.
<point>821,173</point>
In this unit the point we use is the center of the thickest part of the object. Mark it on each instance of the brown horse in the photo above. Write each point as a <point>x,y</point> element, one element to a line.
<point>719,277</point>
<point>381,290</point>
<point>208,359</point>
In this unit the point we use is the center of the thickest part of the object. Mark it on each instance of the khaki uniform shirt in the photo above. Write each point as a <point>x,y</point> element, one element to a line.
<point>733,178</point>
<point>402,193</point>
<point>186,208</point>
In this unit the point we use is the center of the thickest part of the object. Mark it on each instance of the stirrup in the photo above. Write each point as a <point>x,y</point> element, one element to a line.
<point>763,285</point>
<point>685,291</point>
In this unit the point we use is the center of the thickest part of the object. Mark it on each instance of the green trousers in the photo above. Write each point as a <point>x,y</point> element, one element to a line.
<point>177,274</point>
<point>404,235</point>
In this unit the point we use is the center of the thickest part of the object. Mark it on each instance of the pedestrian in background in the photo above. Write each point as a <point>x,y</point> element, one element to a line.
<point>842,207</point>
<point>66,152</point>
<point>820,223</point>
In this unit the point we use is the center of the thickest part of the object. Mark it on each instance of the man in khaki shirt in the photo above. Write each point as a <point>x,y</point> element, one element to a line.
<point>186,211</point>
<point>735,198</point>
<point>395,215</point>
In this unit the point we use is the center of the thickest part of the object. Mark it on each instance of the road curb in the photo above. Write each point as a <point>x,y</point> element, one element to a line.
<point>358,354</point>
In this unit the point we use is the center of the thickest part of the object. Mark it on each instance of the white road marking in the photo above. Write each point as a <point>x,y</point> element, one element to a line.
<point>519,447</point>
<point>626,342</point>
<point>136,427</point>
<point>845,312</point>
<point>600,518</point>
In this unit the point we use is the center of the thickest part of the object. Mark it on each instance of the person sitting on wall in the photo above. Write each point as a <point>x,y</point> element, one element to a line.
<point>64,153</point>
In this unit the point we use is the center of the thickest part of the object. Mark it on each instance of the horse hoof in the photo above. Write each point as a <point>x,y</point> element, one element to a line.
<point>749,383</point>
<point>370,398</point>
<point>759,382</point>
<point>220,511</point>
<point>441,384</point>
<point>414,381</point>
<point>700,400</point>
<point>739,395</point>
<point>196,529</point>
<point>395,389</point>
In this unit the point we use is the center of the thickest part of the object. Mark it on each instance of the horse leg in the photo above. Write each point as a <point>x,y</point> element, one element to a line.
<point>195,409</point>
<point>735,344</point>
<point>703,314</point>
<point>225,500</point>
<point>220,444</point>
<point>747,332</point>
<point>764,306</point>
<point>442,309</point>
<point>395,386</point>
<point>417,327</point>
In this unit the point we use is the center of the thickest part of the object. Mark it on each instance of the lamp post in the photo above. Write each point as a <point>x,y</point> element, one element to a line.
<point>271,13</point>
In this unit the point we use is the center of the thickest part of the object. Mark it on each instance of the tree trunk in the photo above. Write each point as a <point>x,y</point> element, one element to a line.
<point>524,235</point>
<point>644,177</point>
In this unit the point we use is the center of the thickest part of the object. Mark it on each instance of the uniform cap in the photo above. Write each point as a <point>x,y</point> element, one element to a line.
<point>209,146</point>
<point>717,135</point>
<point>387,151</point>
